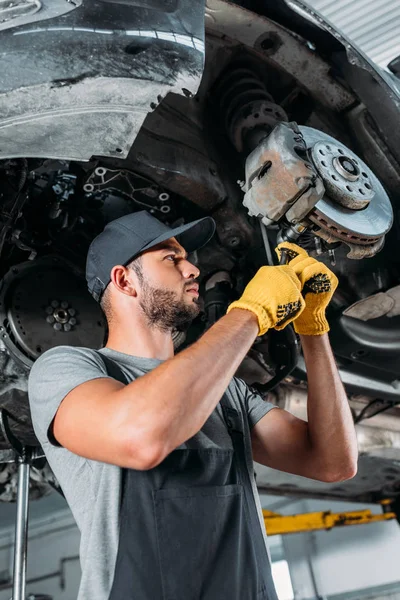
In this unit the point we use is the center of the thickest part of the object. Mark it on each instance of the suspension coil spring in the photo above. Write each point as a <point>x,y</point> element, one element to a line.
<point>247,108</point>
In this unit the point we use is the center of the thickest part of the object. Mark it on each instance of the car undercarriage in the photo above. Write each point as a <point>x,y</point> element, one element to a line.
<point>285,132</point>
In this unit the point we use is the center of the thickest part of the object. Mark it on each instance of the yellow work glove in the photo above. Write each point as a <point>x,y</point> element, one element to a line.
<point>318,284</point>
<point>274,295</point>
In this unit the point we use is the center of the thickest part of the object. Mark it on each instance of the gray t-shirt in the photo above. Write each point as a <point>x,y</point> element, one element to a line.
<point>93,489</point>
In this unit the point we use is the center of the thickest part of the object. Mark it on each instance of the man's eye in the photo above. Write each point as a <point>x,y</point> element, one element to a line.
<point>171,256</point>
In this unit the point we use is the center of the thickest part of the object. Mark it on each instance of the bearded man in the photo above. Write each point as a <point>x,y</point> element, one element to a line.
<point>154,451</point>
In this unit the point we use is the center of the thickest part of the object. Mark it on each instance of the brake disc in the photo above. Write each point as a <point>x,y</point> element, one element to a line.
<point>355,209</point>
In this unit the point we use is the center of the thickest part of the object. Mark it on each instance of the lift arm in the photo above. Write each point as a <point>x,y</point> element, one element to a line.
<point>277,524</point>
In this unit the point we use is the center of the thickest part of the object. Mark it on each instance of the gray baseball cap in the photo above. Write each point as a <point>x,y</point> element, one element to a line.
<point>125,238</point>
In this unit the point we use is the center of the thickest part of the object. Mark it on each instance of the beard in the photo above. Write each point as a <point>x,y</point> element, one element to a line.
<point>165,310</point>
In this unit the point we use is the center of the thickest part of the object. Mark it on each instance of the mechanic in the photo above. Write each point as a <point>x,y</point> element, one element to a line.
<point>154,451</point>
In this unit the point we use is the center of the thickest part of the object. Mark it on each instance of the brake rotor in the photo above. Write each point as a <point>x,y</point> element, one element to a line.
<point>45,303</point>
<point>355,209</point>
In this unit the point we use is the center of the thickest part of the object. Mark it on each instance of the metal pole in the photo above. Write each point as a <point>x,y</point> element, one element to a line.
<point>21,531</point>
<point>267,245</point>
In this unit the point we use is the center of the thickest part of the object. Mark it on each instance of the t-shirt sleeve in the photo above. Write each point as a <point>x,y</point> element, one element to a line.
<point>56,373</point>
<point>255,405</point>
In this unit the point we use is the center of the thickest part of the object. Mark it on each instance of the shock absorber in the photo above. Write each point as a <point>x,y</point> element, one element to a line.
<point>217,296</point>
<point>248,110</point>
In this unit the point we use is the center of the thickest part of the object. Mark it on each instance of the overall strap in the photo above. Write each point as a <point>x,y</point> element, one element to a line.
<point>234,424</point>
<point>113,369</point>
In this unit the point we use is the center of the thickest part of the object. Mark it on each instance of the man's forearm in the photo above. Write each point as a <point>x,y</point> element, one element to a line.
<point>330,424</point>
<point>171,403</point>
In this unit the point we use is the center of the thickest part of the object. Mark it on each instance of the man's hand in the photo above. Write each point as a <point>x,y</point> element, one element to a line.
<point>274,296</point>
<point>318,284</point>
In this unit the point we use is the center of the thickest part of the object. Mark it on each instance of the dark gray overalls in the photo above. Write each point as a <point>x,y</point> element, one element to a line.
<point>189,528</point>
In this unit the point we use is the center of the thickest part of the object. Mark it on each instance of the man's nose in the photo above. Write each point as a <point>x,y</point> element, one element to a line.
<point>189,270</point>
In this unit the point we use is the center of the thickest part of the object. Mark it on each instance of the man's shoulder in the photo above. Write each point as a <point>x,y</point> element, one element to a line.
<point>56,373</point>
<point>68,350</point>
<point>62,358</point>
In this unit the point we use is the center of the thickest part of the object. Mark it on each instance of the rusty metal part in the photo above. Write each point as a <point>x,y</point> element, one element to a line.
<point>338,233</point>
<point>246,106</point>
<point>345,179</point>
<point>171,148</point>
<point>261,115</point>
<point>375,306</point>
<point>233,229</point>
<point>280,180</point>
<point>358,247</point>
<point>375,149</point>
<point>229,22</point>
<point>118,191</point>
<point>362,230</point>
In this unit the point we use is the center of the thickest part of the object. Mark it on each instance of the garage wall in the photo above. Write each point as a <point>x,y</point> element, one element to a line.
<point>53,563</point>
<point>373,26</point>
<point>381,593</point>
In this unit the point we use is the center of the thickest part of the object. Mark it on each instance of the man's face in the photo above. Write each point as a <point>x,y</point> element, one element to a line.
<point>168,293</point>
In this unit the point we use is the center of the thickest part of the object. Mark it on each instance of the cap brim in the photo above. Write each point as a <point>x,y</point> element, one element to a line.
<point>191,236</point>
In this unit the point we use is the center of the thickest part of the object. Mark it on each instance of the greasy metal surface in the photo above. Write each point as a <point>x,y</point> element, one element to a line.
<point>172,148</point>
<point>245,105</point>
<point>14,398</point>
<point>93,99</point>
<point>42,481</point>
<point>228,20</point>
<point>119,191</point>
<point>261,113</point>
<point>11,10</point>
<point>276,177</point>
<point>375,151</point>
<point>27,291</point>
<point>47,9</point>
<point>373,86</point>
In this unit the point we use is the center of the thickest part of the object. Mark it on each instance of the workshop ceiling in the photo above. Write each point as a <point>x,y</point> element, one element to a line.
<point>374,26</point>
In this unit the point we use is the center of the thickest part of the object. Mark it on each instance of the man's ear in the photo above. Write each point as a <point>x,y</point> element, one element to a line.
<point>121,278</point>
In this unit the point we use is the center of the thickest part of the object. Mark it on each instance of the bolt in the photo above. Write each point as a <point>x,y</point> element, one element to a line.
<point>72,312</point>
<point>50,319</point>
<point>49,310</point>
<point>64,304</point>
<point>234,241</point>
<point>67,327</point>
<point>57,326</point>
<point>72,321</point>
<point>55,304</point>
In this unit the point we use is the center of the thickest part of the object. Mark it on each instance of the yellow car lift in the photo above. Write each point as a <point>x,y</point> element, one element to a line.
<point>277,524</point>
